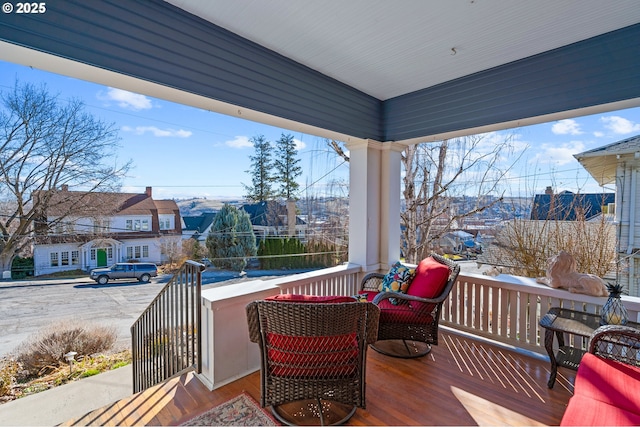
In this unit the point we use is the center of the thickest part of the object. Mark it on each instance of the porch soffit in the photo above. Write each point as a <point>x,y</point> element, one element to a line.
<point>391,48</point>
<point>602,162</point>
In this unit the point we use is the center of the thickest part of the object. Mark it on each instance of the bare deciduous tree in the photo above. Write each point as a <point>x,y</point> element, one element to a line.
<point>446,182</point>
<point>47,144</point>
<point>524,247</point>
<point>437,175</point>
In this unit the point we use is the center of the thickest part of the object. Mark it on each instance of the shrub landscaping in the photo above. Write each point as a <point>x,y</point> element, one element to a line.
<point>39,364</point>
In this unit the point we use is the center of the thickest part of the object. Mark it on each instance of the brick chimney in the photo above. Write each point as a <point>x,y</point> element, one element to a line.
<point>148,191</point>
<point>549,191</point>
<point>65,187</point>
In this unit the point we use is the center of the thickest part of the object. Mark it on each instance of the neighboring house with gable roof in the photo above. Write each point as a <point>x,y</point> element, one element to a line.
<point>84,230</point>
<point>270,218</point>
<point>197,227</point>
<point>619,163</point>
<point>568,206</point>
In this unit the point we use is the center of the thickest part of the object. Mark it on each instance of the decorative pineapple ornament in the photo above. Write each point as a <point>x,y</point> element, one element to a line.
<point>613,311</point>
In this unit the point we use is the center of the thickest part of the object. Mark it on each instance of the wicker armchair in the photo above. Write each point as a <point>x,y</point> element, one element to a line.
<point>616,342</point>
<point>408,323</point>
<point>312,357</point>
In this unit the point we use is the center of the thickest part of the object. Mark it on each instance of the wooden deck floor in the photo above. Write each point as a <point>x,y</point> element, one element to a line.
<point>462,382</point>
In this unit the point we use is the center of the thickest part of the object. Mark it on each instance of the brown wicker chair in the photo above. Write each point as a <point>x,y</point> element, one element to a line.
<point>408,324</point>
<point>312,357</point>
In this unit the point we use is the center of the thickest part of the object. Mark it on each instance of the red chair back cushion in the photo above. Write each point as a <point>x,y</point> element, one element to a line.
<point>313,356</point>
<point>430,279</point>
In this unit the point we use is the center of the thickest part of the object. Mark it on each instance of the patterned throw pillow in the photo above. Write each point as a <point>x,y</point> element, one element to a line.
<point>361,297</point>
<point>397,280</point>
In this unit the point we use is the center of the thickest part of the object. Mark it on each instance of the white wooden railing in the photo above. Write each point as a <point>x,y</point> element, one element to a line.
<point>506,309</point>
<point>341,280</point>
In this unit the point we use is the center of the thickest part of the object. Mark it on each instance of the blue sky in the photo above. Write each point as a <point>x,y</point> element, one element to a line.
<point>185,152</point>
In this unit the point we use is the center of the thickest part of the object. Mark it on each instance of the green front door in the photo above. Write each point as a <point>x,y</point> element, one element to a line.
<point>101,257</point>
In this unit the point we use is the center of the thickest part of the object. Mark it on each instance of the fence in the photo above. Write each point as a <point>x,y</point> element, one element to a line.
<point>166,337</point>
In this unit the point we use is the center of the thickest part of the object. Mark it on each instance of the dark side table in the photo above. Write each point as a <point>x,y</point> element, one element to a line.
<point>559,321</point>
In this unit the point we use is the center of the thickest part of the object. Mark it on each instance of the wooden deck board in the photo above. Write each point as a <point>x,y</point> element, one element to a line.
<point>461,382</point>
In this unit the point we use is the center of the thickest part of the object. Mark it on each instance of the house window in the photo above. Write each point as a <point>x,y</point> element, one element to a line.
<point>54,259</point>
<point>137,224</point>
<point>64,258</point>
<point>75,258</point>
<point>93,254</point>
<point>137,252</point>
<point>165,224</point>
<point>110,252</point>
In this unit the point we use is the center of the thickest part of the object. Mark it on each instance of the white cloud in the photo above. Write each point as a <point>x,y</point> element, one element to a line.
<point>127,100</point>
<point>619,125</point>
<point>299,144</point>
<point>566,127</point>
<point>598,134</point>
<point>559,155</point>
<point>239,142</point>
<point>161,133</point>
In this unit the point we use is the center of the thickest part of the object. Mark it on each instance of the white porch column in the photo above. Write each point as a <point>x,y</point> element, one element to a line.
<point>374,204</point>
<point>390,198</point>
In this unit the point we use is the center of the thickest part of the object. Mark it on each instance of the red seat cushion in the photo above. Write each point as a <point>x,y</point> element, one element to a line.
<point>605,393</point>
<point>430,279</point>
<point>310,298</point>
<point>401,313</point>
<point>609,381</point>
<point>583,411</point>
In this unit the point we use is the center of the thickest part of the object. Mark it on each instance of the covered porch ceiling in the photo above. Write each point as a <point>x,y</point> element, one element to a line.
<point>391,48</point>
<point>404,71</point>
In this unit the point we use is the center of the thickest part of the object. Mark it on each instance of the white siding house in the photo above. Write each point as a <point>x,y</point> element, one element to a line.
<point>619,163</point>
<point>107,228</point>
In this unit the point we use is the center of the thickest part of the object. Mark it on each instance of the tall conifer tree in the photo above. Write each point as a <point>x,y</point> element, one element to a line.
<point>261,188</point>
<point>287,167</point>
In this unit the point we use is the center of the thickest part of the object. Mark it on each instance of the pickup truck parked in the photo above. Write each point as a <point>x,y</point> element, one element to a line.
<point>143,271</point>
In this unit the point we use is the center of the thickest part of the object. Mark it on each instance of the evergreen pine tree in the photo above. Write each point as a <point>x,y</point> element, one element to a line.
<point>262,165</point>
<point>231,239</point>
<point>287,167</point>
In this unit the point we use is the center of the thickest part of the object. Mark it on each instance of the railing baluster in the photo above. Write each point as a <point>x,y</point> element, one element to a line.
<point>161,336</point>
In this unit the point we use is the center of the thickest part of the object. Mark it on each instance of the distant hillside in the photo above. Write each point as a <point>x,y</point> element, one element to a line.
<point>195,207</point>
